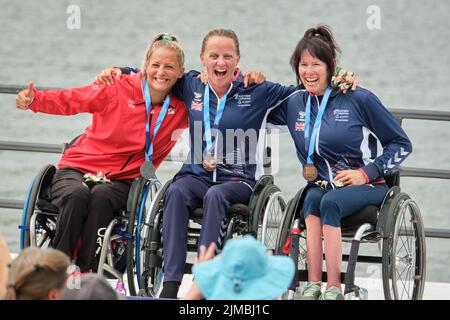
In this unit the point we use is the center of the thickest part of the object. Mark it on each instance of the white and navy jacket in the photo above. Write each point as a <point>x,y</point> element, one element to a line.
<point>239,149</point>
<point>348,133</point>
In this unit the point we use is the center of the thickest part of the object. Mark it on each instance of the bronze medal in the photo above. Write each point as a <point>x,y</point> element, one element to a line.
<point>148,170</point>
<point>310,172</point>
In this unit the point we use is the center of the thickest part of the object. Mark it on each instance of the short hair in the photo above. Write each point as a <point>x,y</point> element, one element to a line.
<point>227,33</point>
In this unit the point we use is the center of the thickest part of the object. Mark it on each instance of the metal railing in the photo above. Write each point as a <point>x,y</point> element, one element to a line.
<point>400,114</point>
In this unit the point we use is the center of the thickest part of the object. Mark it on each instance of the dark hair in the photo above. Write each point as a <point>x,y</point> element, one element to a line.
<point>227,33</point>
<point>320,44</point>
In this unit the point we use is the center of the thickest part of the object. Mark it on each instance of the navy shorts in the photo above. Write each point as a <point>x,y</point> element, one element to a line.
<point>332,206</point>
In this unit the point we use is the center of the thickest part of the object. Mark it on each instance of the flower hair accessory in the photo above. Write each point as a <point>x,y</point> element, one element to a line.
<point>100,178</point>
<point>328,186</point>
<point>342,79</point>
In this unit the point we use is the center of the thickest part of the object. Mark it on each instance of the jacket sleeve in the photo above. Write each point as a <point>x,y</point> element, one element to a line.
<point>395,142</point>
<point>276,93</point>
<point>129,70</point>
<point>94,98</point>
<point>278,116</point>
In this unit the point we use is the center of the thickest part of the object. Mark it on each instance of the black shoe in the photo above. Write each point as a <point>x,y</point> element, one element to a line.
<point>170,290</point>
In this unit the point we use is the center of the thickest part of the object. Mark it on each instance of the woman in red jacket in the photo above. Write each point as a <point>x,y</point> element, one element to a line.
<point>133,123</point>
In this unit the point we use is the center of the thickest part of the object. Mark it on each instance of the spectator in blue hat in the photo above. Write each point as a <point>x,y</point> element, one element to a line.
<point>245,270</point>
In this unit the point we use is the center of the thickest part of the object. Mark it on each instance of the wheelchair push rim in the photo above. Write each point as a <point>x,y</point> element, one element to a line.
<point>137,229</point>
<point>404,266</point>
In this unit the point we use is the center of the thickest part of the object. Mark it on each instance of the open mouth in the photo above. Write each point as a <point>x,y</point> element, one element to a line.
<point>160,80</point>
<point>220,73</point>
<point>312,81</point>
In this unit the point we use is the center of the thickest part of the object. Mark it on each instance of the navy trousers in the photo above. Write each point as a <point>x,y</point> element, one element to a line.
<point>186,193</point>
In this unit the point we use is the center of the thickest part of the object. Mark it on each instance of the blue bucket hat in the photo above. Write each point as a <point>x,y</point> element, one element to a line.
<point>244,271</point>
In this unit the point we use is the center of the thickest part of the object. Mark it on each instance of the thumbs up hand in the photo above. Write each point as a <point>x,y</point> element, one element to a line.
<point>25,97</point>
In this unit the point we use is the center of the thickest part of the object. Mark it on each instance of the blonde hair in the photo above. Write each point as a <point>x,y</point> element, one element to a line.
<point>227,33</point>
<point>161,40</point>
<point>35,272</point>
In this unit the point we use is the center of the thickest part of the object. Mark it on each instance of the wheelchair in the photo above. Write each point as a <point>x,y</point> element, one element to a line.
<point>396,226</point>
<point>122,239</point>
<point>260,218</point>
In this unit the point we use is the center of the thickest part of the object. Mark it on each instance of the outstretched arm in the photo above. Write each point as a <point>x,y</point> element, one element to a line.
<point>25,97</point>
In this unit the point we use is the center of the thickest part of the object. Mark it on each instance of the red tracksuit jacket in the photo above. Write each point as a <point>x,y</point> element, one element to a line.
<point>114,143</point>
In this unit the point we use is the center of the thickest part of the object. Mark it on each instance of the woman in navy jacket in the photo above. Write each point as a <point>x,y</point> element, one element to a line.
<point>336,140</point>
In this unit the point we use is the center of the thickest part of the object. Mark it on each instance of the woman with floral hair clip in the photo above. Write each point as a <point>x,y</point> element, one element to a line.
<point>336,136</point>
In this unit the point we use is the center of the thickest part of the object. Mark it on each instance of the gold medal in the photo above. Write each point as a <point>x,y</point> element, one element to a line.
<point>310,172</point>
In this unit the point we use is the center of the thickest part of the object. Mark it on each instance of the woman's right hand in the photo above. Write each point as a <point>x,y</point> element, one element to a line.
<point>253,77</point>
<point>107,75</point>
<point>25,97</point>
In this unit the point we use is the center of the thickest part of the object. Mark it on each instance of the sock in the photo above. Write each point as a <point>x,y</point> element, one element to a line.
<point>170,290</point>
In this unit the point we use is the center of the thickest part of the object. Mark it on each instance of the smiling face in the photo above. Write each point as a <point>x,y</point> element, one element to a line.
<point>313,73</point>
<point>220,59</point>
<point>163,70</point>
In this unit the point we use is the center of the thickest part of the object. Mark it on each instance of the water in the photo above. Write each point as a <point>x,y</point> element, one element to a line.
<point>406,63</point>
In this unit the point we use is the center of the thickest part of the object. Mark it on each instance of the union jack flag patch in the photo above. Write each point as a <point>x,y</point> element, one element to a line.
<point>299,126</point>
<point>198,106</point>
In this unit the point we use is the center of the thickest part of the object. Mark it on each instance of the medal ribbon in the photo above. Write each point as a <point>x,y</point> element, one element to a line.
<point>148,102</point>
<point>206,117</point>
<point>322,107</point>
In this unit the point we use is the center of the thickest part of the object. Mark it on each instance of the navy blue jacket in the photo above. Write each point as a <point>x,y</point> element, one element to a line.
<point>348,133</point>
<point>240,146</point>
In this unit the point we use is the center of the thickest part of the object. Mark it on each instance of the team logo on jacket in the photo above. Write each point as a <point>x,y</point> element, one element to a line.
<point>131,104</point>
<point>341,115</point>
<point>301,116</point>
<point>299,126</point>
<point>243,100</point>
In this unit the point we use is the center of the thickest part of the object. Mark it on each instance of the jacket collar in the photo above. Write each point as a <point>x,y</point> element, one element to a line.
<point>138,96</point>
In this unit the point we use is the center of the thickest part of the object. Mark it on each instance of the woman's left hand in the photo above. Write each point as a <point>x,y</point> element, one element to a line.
<point>210,164</point>
<point>350,177</point>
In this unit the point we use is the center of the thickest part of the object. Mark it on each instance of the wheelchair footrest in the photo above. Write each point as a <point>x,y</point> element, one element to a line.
<point>302,275</point>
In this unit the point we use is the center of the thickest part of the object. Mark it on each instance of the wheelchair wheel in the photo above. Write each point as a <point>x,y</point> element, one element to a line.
<point>257,215</point>
<point>404,251</point>
<point>271,219</point>
<point>142,194</point>
<point>44,177</point>
<point>152,275</point>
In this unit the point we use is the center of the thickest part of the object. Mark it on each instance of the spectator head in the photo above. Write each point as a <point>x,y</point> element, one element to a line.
<point>244,271</point>
<point>37,274</point>
<point>89,286</point>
